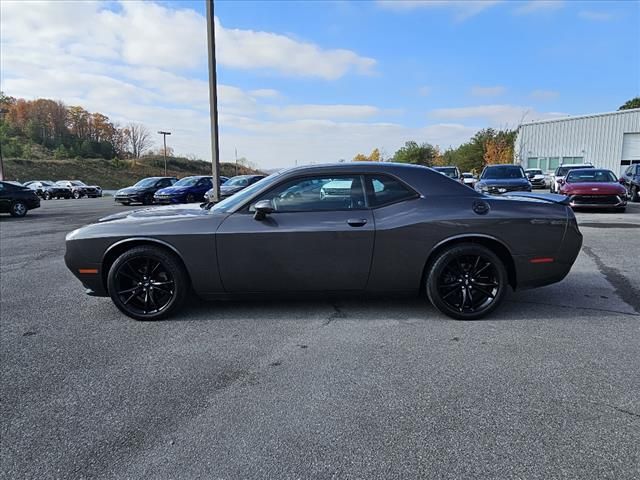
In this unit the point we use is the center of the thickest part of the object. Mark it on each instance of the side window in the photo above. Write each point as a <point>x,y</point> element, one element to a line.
<point>383,190</point>
<point>164,183</point>
<point>330,192</point>
<point>205,182</point>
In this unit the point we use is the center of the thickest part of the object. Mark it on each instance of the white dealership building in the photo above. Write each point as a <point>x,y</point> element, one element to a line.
<point>606,140</point>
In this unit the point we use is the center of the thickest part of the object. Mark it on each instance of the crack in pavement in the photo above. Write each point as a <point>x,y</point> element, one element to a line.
<point>623,288</point>
<point>573,307</point>
<point>621,410</point>
<point>335,315</point>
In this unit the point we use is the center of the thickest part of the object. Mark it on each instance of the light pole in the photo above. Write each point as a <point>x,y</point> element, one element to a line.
<point>213,101</point>
<point>2,112</point>
<point>164,139</point>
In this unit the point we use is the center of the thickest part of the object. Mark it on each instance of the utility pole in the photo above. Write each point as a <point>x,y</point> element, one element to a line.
<point>2,112</point>
<point>164,139</point>
<point>236,161</point>
<point>213,101</point>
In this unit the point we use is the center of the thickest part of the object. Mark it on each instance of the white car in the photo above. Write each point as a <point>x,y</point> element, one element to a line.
<point>561,172</point>
<point>536,177</point>
<point>469,179</point>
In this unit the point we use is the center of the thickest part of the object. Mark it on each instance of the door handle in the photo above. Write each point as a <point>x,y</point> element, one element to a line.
<point>357,222</point>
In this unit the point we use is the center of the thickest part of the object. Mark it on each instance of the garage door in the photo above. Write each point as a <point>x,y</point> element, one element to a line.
<point>631,147</point>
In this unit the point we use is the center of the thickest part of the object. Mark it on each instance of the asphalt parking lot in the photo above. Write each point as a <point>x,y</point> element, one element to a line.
<point>548,387</point>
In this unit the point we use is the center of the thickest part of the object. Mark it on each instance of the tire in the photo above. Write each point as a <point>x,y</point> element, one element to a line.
<point>148,297</point>
<point>147,199</point>
<point>190,198</point>
<point>77,195</point>
<point>470,266</point>
<point>18,209</point>
<point>633,194</point>
<point>47,195</point>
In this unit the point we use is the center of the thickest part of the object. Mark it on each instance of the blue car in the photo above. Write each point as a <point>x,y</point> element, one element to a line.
<point>185,190</point>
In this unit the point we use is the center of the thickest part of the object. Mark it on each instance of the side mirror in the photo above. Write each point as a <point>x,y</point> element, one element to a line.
<point>263,208</point>
<point>560,181</point>
<point>621,180</point>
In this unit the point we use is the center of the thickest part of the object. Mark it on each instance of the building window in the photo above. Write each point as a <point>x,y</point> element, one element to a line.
<point>572,160</point>
<point>543,164</point>
<point>532,162</point>
<point>554,162</point>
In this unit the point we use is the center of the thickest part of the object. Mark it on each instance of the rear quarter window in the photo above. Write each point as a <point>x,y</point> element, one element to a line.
<point>385,190</point>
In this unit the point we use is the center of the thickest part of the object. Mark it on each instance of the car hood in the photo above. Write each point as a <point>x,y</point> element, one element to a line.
<point>160,213</point>
<point>594,188</point>
<point>135,190</point>
<point>230,188</point>
<point>172,190</point>
<point>499,182</point>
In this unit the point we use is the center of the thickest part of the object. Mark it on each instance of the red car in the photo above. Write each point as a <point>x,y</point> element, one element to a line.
<point>594,188</point>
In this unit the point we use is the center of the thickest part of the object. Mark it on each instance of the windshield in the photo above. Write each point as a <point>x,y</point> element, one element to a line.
<point>448,171</point>
<point>78,183</point>
<point>186,182</point>
<point>584,176</point>
<point>242,196</point>
<point>502,171</point>
<point>237,182</point>
<point>534,172</point>
<point>562,171</point>
<point>47,183</point>
<point>146,182</point>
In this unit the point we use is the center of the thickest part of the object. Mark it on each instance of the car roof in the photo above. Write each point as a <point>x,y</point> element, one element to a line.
<point>584,165</point>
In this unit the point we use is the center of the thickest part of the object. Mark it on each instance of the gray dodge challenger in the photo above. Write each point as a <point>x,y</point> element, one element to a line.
<point>352,228</point>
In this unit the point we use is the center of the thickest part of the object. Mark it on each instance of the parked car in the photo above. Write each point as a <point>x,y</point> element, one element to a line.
<point>594,188</point>
<point>185,190</point>
<point>17,200</point>
<point>631,180</point>
<point>536,177</point>
<point>498,179</point>
<point>469,179</point>
<point>562,171</point>
<point>143,191</point>
<point>80,189</point>
<point>418,230</point>
<point>451,172</point>
<point>234,185</point>
<point>47,189</point>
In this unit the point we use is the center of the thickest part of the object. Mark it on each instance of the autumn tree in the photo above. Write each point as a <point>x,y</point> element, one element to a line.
<point>139,139</point>
<point>374,156</point>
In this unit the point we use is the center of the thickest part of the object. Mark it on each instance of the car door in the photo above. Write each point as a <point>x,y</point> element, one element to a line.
<point>5,199</point>
<point>310,242</point>
<point>202,187</point>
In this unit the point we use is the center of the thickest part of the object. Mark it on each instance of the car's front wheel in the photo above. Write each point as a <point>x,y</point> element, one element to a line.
<point>18,209</point>
<point>190,198</point>
<point>47,195</point>
<point>147,283</point>
<point>633,194</point>
<point>77,195</point>
<point>466,281</point>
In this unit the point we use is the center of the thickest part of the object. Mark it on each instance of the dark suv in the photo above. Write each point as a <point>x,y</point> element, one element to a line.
<point>144,190</point>
<point>631,180</point>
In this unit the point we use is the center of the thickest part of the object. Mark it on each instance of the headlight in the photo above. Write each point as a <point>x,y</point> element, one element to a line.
<point>482,188</point>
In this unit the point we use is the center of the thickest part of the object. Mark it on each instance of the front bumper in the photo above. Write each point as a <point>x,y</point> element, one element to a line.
<point>168,200</point>
<point>128,198</point>
<point>597,201</point>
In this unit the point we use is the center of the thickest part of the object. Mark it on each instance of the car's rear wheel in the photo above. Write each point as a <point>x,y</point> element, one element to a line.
<point>77,194</point>
<point>633,194</point>
<point>191,198</point>
<point>147,199</point>
<point>467,281</point>
<point>147,283</point>
<point>18,209</point>
<point>47,195</point>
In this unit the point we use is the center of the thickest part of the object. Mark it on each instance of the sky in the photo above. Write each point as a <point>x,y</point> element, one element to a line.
<point>315,82</point>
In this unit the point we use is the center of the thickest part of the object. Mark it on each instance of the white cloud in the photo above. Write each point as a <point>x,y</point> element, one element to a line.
<point>249,49</point>
<point>538,6</point>
<point>495,115</point>
<point>324,111</point>
<point>462,9</point>
<point>487,91</point>
<point>544,94</point>
<point>596,16</point>
<point>265,93</point>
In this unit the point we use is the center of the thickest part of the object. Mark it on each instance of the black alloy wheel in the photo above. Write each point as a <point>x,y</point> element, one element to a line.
<point>191,198</point>
<point>633,194</point>
<point>467,281</point>
<point>147,199</point>
<point>77,194</point>
<point>47,195</point>
<point>18,209</point>
<point>147,283</point>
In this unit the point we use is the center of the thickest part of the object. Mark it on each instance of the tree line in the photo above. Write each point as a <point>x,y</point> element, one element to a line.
<point>67,131</point>
<point>486,147</point>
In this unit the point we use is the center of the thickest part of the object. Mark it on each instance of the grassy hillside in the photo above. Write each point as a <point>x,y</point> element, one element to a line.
<point>110,174</point>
